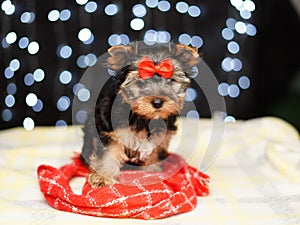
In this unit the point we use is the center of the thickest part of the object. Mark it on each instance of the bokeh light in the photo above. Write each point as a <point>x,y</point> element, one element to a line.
<point>7,115</point>
<point>11,10</point>
<point>226,64</point>
<point>245,14</point>
<point>223,89</point>
<point>80,62</point>
<point>83,94</point>
<point>38,75</point>
<point>91,7</point>
<point>182,7</point>
<point>90,59</point>
<point>8,7</point>
<point>229,119</point>
<point>77,87</point>
<point>38,107</point>
<point>230,23</point>
<point>233,91</point>
<point>240,27</point>
<point>184,39</point>
<point>163,37</point>
<point>139,10</point>
<point>11,37</point>
<point>14,64</point>
<point>81,116</point>
<point>81,2</point>
<point>28,124</point>
<point>227,34</point>
<point>249,5</point>
<point>236,3</point>
<point>152,36</point>
<point>229,64</point>
<point>9,101</point>
<point>124,39</point>
<point>192,115</point>
<point>152,3</point>
<point>251,30</point>
<point>8,73</point>
<point>4,43</point>
<point>27,17</point>
<point>194,11</point>
<point>64,51</point>
<point>29,79</point>
<point>191,94</point>
<point>194,72</point>
<point>33,47</point>
<point>63,103</point>
<point>11,88</point>
<point>233,47</point>
<point>196,41</point>
<point>164,6</point>
<point>65,77</point>
<point>111,9</point>
<point>84,34</point>
<point>60,123</point>
<point>23,42</point>
<point>114,39</point>
<point>65,15</point>
<point>244,82</point>
<point>53,15</point>
<point>89,41</point>
<point>137,24</point>
<point>31,99</point>
<point>236,64</point>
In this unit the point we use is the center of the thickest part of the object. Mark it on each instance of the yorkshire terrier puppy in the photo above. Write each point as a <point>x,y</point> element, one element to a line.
<point>136,110</point>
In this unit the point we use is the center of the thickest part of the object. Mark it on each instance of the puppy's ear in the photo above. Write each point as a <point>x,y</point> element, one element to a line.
<point>187,56</point>
<point>119,56</point>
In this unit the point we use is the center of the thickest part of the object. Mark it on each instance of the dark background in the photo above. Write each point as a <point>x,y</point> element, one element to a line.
<point>270,58</point>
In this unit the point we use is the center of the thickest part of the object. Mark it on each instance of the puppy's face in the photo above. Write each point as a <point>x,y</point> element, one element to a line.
<point>156,96</point>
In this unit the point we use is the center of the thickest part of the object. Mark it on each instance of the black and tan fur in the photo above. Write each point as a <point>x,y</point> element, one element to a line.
<point>135,118</point>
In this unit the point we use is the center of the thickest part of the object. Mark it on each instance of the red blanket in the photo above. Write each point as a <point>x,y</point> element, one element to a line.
<point>142,195</point>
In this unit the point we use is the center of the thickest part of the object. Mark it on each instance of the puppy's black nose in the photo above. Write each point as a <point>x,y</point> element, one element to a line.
<point>157,103</point>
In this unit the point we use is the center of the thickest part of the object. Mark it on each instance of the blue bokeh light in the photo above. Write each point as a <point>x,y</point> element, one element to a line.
<point>111,9</point>
<point>91,7</point>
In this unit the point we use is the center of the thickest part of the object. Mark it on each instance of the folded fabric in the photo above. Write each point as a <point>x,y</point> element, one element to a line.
<point>139,194</point>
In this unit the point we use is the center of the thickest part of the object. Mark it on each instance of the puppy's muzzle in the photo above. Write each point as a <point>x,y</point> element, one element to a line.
<point>157,103</point>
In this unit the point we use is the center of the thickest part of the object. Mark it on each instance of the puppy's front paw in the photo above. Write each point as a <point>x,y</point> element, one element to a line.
<point>96,180</point>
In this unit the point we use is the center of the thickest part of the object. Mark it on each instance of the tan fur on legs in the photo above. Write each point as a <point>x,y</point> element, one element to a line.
<point>107,168</point>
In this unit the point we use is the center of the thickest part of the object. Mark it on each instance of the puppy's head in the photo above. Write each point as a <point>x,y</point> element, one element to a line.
<point>154,79</point>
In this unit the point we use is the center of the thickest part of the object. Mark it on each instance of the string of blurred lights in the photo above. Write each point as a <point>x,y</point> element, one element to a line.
<point>234,31</point>
<point>10,37</point>
<point>33,98</point>
<point>60,17</point>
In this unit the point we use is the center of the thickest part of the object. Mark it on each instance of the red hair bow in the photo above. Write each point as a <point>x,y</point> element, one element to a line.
<point>147,68</point>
